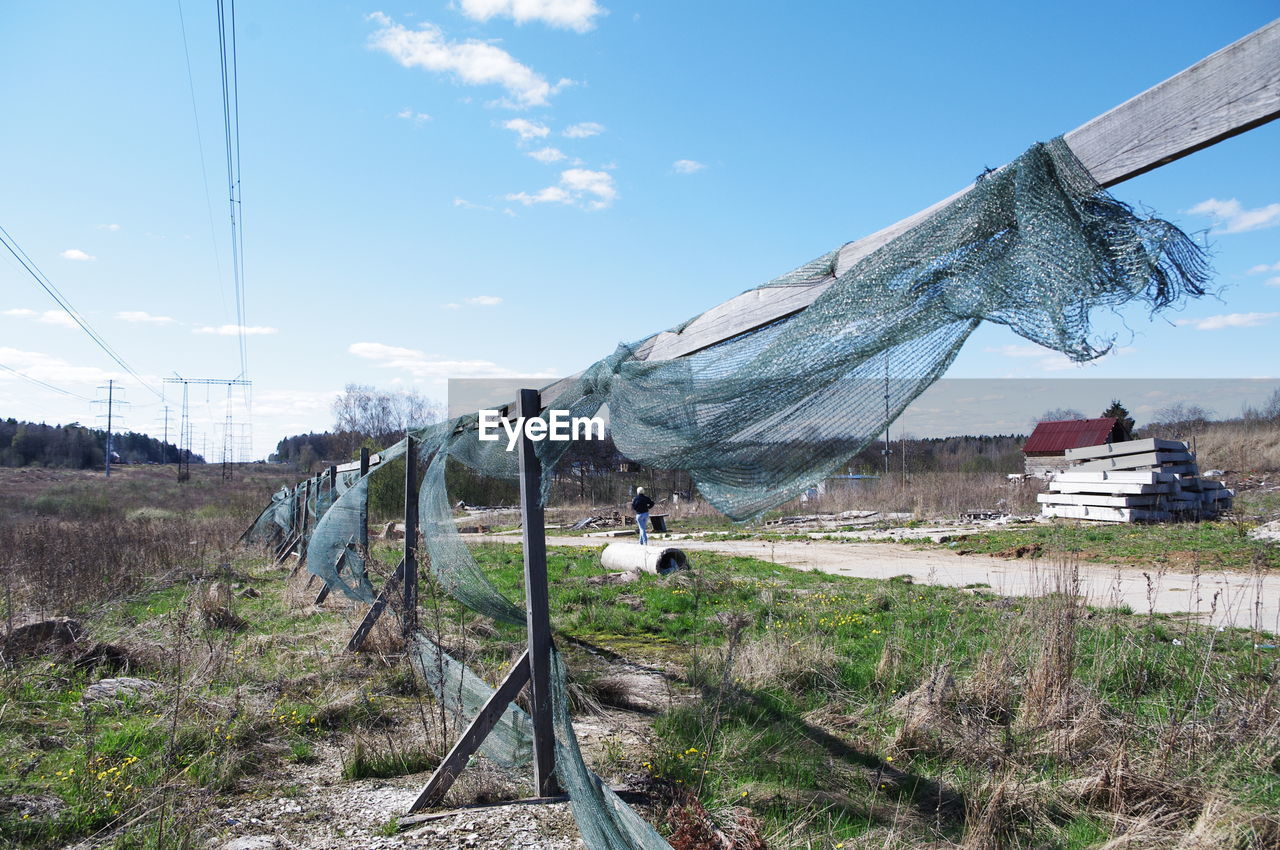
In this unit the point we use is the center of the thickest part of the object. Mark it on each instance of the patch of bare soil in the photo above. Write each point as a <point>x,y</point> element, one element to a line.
<point>311,806</point>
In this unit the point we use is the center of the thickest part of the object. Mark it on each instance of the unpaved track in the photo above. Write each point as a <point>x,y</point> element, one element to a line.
<point>1242,599</point>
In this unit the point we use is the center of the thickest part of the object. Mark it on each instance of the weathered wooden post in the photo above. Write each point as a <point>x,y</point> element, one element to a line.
<point>364,532</point>
<point>537,601</point>
<point>534,666</point>
<point>410,623</point>
<point>306,519</point>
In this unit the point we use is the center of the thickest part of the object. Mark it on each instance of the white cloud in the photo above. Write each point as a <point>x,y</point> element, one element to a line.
<point>378,351</point>
<point>416,117</point>
<point>292,402</point>
<point>547,155</point>
<point>1273,281</point>
<point>468,205</point>
<point>1264,268</point>
<point>1231,217</point>
<point>527,129</point>
<point>61,318</point>
<point>687,166</point>
<point>50,369</point>
<point>591,190</point>
<point>420,365</point>
<point>471,62</point>
<point>142,316</point>
<point>583,130</point>
<point>452,305</point>
<point>576,15</point>
<point>57,317</point>
<point>111,227</point>
<point>1229,320</point>
<point>1053,361</point>
<point>485,300</point>
<point>235,330</point>
<point>77,255</point>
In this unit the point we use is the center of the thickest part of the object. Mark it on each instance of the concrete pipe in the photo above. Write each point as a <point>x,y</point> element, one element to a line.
<point>626,557</point>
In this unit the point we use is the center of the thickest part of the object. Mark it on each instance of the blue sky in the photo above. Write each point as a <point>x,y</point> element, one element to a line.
<point>487,188</point>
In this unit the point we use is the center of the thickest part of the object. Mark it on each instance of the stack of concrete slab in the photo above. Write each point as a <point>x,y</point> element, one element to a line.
<point>1153,480</point>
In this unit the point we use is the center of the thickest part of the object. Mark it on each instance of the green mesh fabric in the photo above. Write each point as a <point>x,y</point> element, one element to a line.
<point>605,822</point>
<point>286,510</point>
<point>334,551</point>
<point>1037,246</point>
<point>265,529</point>
<point>462,693</point>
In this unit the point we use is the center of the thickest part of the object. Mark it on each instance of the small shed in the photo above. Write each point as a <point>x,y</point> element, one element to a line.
<point>1045,452</point>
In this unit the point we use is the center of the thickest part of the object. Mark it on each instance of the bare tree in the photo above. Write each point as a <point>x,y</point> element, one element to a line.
<point>1058,414</point>
<point>383,416</point>
<point>1180,419</point>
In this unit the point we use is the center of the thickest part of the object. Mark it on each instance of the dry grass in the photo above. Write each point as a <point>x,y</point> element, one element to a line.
<point>1237,446</point>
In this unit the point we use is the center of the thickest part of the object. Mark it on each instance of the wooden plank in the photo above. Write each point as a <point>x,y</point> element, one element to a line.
<point>453,763</point>
<point>1109,501</point>
<point>1128,447</point>
<point>1222,95</point>
<point>1135,461</point>
<point>1229,92</point>
<point>375,610</point>
<point>537,602</point>
<point>366,462</point>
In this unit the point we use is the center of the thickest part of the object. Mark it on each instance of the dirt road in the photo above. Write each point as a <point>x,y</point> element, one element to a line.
<point>1218,597</point>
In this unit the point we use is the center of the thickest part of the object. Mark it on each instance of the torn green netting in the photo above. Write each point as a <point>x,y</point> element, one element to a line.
<point>755,419</point>
<point>335,550</point>
<point>462,692</point>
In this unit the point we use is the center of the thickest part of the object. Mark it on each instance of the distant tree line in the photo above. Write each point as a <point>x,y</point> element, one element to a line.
<point>74,446</point>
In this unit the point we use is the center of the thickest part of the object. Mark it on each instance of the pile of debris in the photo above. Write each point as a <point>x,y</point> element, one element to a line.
<point>1154,480</point>
<point>607,520</point>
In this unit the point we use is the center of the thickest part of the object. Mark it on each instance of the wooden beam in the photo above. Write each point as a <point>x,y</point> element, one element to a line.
<point>337,569</point>
<point>410,623</point>
<point>1234,90</point>
<point>363,465</point>
<point>375,610</point>
<point>1222,95</point>
<point>474,735</point>
<point>537,602</point>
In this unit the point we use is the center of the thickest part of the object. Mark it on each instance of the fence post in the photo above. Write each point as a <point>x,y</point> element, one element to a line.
<point>538,614</point>
<point>410,539</point>
<point>364,532</point>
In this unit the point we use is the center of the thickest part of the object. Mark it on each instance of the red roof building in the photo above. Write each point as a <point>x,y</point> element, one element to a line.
<point>1045,452</point>
<point>1054,438</point>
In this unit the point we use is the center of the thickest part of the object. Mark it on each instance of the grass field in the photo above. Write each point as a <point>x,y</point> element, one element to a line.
<point>802,709</point>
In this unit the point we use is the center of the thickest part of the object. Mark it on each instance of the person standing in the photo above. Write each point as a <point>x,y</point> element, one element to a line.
<point>641,504</point>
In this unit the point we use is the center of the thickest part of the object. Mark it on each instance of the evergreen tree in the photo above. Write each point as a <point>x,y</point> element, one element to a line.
<point>1124,421</point>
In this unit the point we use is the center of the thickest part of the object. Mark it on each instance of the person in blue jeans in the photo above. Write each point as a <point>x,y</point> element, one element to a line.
<point>641,504</point>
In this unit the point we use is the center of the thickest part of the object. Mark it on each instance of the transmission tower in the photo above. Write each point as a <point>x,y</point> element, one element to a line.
<point>114,399</point>
<point>185,447</point>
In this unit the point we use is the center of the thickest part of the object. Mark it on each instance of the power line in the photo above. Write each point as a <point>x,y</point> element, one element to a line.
<point>231,137</point>
<point>47,285</point>
<point>204,170</point>
<point>43,384</point>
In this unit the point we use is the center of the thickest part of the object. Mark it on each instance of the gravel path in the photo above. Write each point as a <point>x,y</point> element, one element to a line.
<point>1242,599</point>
